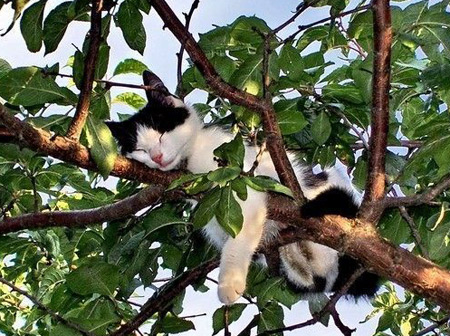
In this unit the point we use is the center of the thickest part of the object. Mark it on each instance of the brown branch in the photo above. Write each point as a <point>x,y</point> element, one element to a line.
<point>413,228</point>
<point>77,218</point>
<point>252,324</point>
<point>411,144</point>
<point>82,110</point>
<point>275,143</point>
<point>179,91</point>
<point>333,17</point>
<point>330,307</point>
<point>71,151</point>
<point>163,297</point>
<point>376,177</point>
<point>418,199</point>
<point>47,310</point>
<point>432,327</point>
<point>299,10</point>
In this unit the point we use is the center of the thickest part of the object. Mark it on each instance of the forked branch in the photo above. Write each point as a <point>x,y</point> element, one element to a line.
<point>275,144</point>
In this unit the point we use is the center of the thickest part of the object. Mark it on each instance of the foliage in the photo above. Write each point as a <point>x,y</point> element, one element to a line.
<point>90,275</point>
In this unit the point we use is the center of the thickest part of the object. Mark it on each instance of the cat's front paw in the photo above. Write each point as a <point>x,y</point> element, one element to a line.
<point>231,289</point>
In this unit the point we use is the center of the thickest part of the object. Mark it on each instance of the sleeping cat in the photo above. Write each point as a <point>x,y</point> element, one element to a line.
<point>166,133</point>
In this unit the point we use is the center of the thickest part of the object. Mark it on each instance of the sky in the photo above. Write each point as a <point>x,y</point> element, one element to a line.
<point>160,58</point>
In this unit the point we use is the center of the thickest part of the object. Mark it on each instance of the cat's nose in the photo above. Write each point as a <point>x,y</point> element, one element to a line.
<point>157,158</point>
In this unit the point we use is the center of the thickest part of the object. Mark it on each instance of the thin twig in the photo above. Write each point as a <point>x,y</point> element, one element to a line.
<point>414,232</point>
<point>82,110</point>
<point>329,306</point>
<point>179,91</point>
<point>411,144</point>
<point>352,126</point>
<point>163,297</point>
<point>258,158</point>
<point>433,326</point>
<point>47,310</point>
<point>342,14</point>
<point>299,10</point>
<point>252,324</point>
<point>418,199</point>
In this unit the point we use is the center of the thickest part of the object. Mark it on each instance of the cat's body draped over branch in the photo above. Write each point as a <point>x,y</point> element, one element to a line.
<point>167,132</point>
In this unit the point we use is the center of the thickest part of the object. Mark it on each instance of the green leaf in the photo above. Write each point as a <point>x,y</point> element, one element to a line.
<point>56,23</point>
<point>206,208</point>
<point>321,128</point>
<point>316,304</point>
<point>229,212</point>
<point>131,99</point>
<point>61,329</point>
<point>130,65</point>
<point>223,175</point>
<point>27,86</point>
<point>17,5</point>
<point>95,277</point>
<point>160,217</point>
<point>232,152</point>
<point>172,324</point>
<point>240,188</point>
<point>234,313</point>
<point>4,67</point>
<point>291,62</point>
<point>102,61</point>
<point>95,316</point>
<point>440,242</point>
<point>264,183</point>
<point>51,277</point>
<point>102,146</point>
<point>31,25</point>
<point>247,30</point>
<point>290,119</point>
<point>130,22</point>
<point>271,317</point>
<point>183,180</point>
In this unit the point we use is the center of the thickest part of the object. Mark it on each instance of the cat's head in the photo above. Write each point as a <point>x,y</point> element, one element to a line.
<point>160,135</point>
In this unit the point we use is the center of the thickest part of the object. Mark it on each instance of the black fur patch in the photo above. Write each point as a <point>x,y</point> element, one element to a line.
<point>319,284</point>
<point>366,285</point>
<point>334,201</point>
<point>162,118</point>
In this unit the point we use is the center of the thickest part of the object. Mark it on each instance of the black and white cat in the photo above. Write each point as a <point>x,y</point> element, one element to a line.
<point>166,133</point>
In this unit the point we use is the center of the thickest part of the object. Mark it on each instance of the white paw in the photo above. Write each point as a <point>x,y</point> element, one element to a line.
<point>230,289</point>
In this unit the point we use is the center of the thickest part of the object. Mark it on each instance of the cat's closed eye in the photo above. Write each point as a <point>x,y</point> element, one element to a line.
<point>141,150</point>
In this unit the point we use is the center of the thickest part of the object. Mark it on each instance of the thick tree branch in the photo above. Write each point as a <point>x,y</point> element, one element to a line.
<point>163,297</point>
<point>47,310</point>
<point>376,177</point>
<point>275,143</point>
<point>82,110</point>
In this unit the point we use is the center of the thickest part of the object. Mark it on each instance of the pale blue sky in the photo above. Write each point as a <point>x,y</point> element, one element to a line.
<point>160,57</point>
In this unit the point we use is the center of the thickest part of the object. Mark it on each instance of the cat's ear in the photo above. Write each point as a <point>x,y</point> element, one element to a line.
<point>157,93</point>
